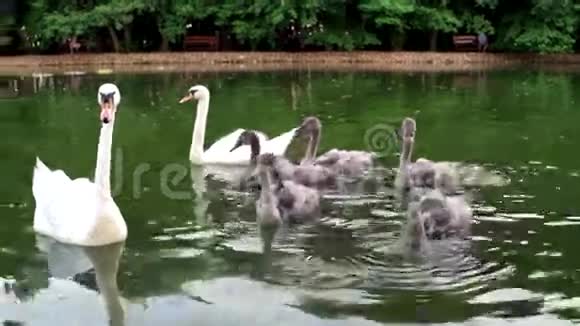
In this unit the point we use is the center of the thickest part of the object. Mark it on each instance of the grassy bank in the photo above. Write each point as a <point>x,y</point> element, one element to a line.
<point>256,61</point>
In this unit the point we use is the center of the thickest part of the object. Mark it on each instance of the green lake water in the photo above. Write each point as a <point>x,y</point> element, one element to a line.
<point>199,259</point>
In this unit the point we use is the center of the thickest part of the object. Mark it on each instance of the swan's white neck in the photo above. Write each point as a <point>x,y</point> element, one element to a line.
<point>198,137</point>
<point>103,169</point>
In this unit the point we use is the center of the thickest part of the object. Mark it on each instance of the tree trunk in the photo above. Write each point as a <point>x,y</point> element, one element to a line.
<point>433,41</point>
<point>397,39</point>
<point>114,38</point>
<point>164,47</point>
<point>127,38</point>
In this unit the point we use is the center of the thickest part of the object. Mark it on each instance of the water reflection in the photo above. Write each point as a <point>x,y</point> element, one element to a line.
<point>8,87</point>
<point>202,260</point>
<point>77,277</point>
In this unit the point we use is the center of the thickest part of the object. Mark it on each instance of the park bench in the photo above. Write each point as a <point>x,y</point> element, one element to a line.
<point>200,42</point>
<point>465,42</point>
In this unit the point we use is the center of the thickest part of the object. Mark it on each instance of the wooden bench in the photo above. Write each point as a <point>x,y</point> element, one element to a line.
<point>465,42</point>
<point>200,42</point>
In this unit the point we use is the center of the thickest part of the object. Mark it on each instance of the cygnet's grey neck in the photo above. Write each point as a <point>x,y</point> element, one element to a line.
<point>416,230</point>
<point>406,152</point>
<point>312,147</point>
<point>254,147</point>
<point>265,175</point>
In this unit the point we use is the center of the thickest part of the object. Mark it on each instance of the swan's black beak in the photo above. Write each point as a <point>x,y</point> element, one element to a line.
<point>238,144</point>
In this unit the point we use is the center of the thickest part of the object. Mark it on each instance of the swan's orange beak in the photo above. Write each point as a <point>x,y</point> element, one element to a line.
<point>106,112</point>
<point>187,98</point>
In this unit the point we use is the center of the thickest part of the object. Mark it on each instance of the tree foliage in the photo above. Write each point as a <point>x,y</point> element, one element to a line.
<point>530,25</point>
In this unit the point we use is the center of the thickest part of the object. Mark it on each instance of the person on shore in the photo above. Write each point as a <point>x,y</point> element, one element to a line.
<point>482,42</point>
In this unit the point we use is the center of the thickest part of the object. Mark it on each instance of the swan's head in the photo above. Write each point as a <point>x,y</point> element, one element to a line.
<point>408,129</point>
<point>247,137</point>
<point>310,126</point>
<point>109,98</point>
<point>197,92</point>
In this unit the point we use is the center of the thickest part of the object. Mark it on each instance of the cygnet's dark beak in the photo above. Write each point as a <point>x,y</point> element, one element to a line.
<point>300,131</point>
<point>238,144</point>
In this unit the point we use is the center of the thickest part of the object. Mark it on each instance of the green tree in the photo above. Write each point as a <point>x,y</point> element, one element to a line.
<point>54,21</point>
<point>390,15</point>
<point>543,26</point>
<point>433,17</point>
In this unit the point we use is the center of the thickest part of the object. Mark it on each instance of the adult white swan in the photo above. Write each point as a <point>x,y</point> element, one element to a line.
<point>79,211</point>
<point>219,152</point>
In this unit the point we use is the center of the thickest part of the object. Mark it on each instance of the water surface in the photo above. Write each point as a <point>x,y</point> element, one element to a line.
<point>195,256</point>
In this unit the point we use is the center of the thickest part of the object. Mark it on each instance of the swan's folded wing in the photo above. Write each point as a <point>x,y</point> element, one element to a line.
<point>286,197</point>
<point>46,183</point>
<point>72,213</point>
<point>329,158</point>
<point>278,145</point>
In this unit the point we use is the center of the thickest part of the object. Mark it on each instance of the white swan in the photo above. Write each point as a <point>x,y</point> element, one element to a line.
<point>219,152</point>
<point>79,211</point>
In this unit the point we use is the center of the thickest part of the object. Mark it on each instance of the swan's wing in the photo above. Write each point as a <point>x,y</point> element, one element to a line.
<point>460,206</point>
<point>219,151</point>
<point>278,145</point>
<point>348,163</point>
<point>298,200</point>
<point>47,183</point>
<point>329,158</point>
<point>285,196</point>
<point>227,173</point>
<point>71,214</point>
<point>335,156</point>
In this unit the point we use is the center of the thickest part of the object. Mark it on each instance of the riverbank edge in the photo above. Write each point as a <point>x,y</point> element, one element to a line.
<point>261,61</point>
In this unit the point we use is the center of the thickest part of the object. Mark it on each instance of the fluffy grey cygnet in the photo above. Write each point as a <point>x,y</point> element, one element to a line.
<point>348,163</point>
<point>294,202</point>
<point>424,173</point>
<point>307,175</point>
<point>436,217</point>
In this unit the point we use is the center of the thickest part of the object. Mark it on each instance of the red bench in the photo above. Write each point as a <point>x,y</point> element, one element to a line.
<point>465,42</point>
<point>201,42</point>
